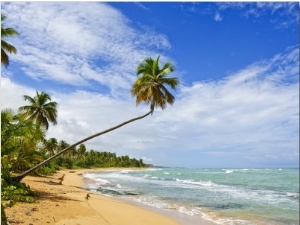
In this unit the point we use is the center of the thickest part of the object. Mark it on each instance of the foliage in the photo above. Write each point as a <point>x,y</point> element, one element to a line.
<point>20,140</point>
<point>48,169</point>
<point>97,159</point>
<point>41,109</point>
<point>150,86</point>
<point>24,145</point>
<point>65,162</point>
<point>5,46</point>
<point>13,191</point>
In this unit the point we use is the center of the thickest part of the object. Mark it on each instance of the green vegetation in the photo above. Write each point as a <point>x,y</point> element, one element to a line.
<point>23,145</point>
<point>41,110</point>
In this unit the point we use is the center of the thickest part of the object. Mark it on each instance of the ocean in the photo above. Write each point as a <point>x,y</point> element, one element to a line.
<point>223,196</point>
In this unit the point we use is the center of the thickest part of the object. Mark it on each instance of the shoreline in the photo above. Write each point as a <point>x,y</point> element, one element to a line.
<point>63,201</point>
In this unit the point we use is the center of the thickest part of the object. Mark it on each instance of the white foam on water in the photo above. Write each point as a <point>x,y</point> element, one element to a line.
<point>125,171</point>
<point>293,195</point>
<point>190,212</point>
<point>197,183</point>
<point>118,186</point>
<point>90,175</point>
<point>154,169</point>
<point>153,201</point>
<point>230,221</point>
<point>102,181</point>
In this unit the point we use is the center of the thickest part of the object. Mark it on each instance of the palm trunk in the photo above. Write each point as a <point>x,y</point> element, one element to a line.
<point>24,174</point>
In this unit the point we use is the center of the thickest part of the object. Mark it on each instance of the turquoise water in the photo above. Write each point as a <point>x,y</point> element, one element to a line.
<point>224,196</point>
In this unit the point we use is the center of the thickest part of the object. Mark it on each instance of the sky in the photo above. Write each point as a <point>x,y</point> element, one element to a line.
<point>237,104</point>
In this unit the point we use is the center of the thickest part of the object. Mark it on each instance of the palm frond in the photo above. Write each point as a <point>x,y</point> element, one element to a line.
<point>4,58</point>
<point>149,87</point>
<point>5,46</point>
<point>40,110</point>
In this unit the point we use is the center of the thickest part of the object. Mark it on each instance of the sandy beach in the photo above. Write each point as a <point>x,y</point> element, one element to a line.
<point>64,202</point>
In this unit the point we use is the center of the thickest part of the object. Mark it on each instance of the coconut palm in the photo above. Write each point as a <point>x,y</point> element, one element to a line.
<point>19,142</point>
<point>5,46</point>
<point>81,150</point>
<point>149,88</point>
<point>51,146</point>
<point>41,109</point>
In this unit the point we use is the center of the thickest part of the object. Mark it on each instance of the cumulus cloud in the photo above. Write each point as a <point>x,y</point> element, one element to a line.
<point>63,41</point>
<point>251,115</point>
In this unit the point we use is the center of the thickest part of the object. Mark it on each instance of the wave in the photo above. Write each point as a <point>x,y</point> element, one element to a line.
<point>171,180</point>
<point>198,183</point>
<point>116,191</point>
<point>292,195</point>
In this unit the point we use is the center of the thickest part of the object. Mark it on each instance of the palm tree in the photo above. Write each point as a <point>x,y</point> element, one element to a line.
<point>5,46</point>
<point>81,150</point>
<point>62,145</point>
<point>41,110</point>
<point>19,142</point>
<point>149,87</point>
<point>51,146</point>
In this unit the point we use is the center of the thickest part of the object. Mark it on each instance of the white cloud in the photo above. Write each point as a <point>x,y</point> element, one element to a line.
<point>287,12</point>
<point>142,6</point>
<point>218,17</point>
<point>64,41</point>
<point>12,94</point>
<point>250,115</point>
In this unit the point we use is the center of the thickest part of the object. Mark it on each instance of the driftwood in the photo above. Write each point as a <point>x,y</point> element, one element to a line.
<point>61,179</point>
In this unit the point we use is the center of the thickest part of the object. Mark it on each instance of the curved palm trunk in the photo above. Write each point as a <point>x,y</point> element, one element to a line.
<point>24,174</point>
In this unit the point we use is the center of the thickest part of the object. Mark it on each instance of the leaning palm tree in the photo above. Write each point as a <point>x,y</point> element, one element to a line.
<point>149,88</point>
<point>5,46</point>
<point>41,109</point>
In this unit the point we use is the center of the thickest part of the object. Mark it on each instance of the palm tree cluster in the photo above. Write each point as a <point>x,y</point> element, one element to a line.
<point>24,144</point>
<point>19,142</point>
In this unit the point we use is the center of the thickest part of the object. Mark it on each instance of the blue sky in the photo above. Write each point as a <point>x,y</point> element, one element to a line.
<point>238,64</point>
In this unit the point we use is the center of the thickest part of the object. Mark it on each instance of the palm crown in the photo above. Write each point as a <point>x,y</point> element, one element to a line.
<point>41,109</point>
<point>150,86</point>
<point>5,46</point>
